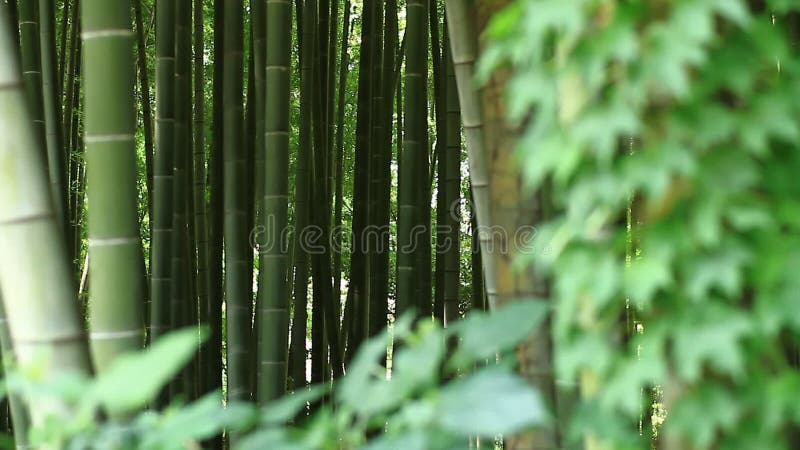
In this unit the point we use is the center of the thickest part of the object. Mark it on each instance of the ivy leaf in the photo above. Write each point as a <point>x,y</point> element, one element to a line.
<point>482,336</point>
<point>700,414</point>
<point>492,401</point>
<point>712,335</point>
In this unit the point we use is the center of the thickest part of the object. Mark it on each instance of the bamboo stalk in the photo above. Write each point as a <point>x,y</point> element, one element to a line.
<point>235,235</point>
<point>42,316</point>
<point>273,312</point>
<point>163,182</point>
<point>116,277</point>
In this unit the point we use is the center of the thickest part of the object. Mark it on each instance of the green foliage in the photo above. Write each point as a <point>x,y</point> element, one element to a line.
<point>686,112</point>
<point>429,402</point>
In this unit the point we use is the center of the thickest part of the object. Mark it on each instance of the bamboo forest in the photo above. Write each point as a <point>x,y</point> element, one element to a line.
<point>400,224</point>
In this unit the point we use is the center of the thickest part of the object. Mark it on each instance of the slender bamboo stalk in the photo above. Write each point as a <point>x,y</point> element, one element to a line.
<point>440,100</point>
<point>71,118</point>
<point>452,192</point>
<point>77,163</point>
<point>357,288</point>
<point>236,271</point>
<point>32,70</point>
<point>52,107</point>
<point>201,216</point>
<point>332,98</point>
<point>250,211</point>
<point>344,61</point>
<point>372,238</point>
<point>215,209</point>
<point>183,309</point>
<point>301,217</point>
<point>273,312</point>
<point>62,57</point>
<point>163,182</point>
<point>410,228</point>
<point>41,316</point>
<point>115,275</point>
<point>257,56</point>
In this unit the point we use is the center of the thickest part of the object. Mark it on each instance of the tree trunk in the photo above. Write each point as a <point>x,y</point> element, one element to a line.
<point>502,211</point>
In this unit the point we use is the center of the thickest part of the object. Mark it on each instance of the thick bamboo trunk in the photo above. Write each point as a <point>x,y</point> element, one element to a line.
<point>42,316</point>
<point>116,279</point>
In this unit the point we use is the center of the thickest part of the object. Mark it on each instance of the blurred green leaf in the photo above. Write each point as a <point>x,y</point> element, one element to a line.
<point>135,379</point>
<point>488,403</point>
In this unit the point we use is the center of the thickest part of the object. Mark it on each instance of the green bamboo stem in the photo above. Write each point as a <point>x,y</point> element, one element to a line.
<point>161,238</point>
<point>344,61</point>
<point>42,316</point>
<point>373,239</point>
<point>52,107</point>
<point>200,212</point>
<point>379,270</point>
<point>440,100</point>
<point>452,192</point>
<point>63,56</point>
<point>250,211</point>
<point>301,217</point>
<point>183,308</point>
<point>412,174</point>
<point>357,287</point>
<point>463,44</point>
<point>115,274</point>
<point>73,160</point>
<point>257,57</point>
<point>32,70</point>
<point>77,162</point>
<point>237,298</point>
<point>215,206</point>
<point>320,218</point>
<point>273,316</point>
